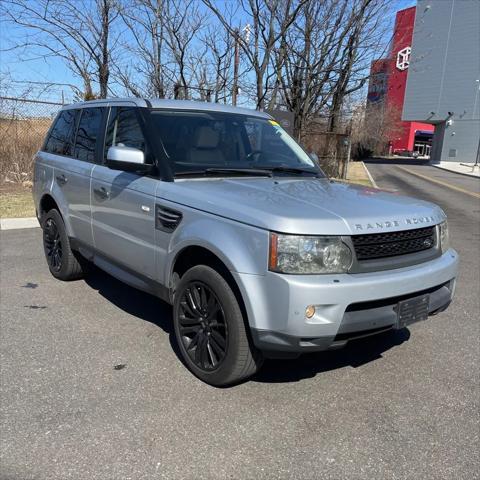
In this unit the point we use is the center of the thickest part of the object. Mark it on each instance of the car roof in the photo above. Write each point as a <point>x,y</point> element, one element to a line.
<point>169,105</point>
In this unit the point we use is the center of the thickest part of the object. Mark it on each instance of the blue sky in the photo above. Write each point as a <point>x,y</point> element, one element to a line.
<point>19,70</point>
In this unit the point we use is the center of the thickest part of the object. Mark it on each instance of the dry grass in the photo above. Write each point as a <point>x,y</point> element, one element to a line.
<point>20,139</point>
<point>16,202</point>
<point>356,174</point>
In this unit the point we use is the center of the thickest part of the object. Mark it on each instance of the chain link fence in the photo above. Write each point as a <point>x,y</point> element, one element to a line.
<point>331,148</point>
<point>23,125</point>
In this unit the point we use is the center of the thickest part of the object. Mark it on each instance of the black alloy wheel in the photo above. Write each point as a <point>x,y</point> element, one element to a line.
<point>211,329</point>
<point>202,326</point>
<point>62,261</point>
<point>53,245</point>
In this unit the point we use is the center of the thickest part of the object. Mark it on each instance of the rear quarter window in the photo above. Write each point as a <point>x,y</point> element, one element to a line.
<point>61,137</point>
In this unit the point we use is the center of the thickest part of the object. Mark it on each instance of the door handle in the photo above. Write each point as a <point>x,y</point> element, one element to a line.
<point>102,192</point>
<point>61,179</point>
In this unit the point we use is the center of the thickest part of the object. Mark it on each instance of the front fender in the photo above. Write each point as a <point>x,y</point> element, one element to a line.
<point>242,248</point>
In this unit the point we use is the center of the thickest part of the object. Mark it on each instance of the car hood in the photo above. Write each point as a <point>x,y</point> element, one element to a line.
<point>304,205</point>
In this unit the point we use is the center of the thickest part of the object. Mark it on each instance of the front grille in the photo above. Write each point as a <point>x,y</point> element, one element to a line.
<point>380,245</point>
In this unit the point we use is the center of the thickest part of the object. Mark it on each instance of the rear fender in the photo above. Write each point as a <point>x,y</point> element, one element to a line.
<point>45,184</point>
<point>61,201</point>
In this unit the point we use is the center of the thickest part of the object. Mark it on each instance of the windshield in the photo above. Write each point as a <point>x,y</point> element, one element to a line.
<point>206,142</point>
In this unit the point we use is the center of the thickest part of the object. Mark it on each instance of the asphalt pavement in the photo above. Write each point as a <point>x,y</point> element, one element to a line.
<point>92,388</point>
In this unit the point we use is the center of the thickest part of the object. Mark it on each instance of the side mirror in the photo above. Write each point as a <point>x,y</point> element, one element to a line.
<point>128,159</point>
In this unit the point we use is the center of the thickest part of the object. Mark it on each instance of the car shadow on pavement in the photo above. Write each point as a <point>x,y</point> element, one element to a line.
<point>135,302</point>
<point>152,309</point>
<point>355,354</point>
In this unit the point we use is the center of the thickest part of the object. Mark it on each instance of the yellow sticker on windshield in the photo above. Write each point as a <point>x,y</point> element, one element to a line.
<point>274,123</point>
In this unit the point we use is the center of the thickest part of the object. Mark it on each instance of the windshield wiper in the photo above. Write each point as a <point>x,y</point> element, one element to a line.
<point>254,172</point>
<point>239,171</point>
<point>294,170</point>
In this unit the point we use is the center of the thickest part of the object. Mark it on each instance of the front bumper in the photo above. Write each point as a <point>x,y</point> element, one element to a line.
<point>346,306</point>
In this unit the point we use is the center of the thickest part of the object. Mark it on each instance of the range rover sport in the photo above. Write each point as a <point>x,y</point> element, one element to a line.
<point>218,211</point>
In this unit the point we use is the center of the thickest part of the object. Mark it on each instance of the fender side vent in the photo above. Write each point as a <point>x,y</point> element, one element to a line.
<point>166,219</point>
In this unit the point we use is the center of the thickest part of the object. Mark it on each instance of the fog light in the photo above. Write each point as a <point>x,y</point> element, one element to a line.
<point>310,311</point>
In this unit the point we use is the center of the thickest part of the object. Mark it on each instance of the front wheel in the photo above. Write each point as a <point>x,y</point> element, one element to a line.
<point>210,329</point>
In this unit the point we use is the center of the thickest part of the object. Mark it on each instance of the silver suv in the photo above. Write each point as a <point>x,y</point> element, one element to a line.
<point>219,212</point>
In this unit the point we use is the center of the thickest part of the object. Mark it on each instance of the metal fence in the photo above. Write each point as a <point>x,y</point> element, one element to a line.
<point>23,125</point>
<point>331,148</point>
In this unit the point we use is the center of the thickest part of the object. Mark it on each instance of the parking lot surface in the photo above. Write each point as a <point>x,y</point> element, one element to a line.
<point>91,386</point>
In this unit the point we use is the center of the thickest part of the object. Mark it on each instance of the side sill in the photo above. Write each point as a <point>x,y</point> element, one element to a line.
<point>122,272</point>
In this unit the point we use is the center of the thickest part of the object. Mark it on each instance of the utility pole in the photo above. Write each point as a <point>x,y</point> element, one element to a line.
<point>236,64</point>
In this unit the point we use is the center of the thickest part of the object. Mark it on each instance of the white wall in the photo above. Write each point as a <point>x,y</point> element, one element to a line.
<point>463,137</point>
<point>444,73</point>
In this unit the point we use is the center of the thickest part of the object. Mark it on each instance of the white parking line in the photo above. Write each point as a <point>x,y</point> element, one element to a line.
<point>17,223</point>
<point>439,182</point>
<point>369,175</point>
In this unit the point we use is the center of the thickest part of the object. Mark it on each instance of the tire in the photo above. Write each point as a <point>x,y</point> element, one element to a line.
<point>210,329</point>
<point>61,260</point>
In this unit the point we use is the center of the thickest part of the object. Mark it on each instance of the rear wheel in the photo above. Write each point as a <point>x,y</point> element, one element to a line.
<point>61,260</point>
<point>210,329</point>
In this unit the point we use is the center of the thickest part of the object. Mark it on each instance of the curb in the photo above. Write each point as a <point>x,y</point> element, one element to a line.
<point>18,223</point>
<point>369,175</point>
<point>469,175</point>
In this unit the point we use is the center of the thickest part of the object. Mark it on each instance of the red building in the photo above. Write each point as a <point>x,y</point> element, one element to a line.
<point>388,81</point>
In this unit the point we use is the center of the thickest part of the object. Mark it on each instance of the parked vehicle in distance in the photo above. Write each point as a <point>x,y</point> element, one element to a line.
<point>218,211</point>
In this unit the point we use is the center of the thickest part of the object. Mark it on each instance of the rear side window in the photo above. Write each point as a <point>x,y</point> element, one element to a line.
<point>60,140</point>
<point>87,133</point>
<point>125,131</point>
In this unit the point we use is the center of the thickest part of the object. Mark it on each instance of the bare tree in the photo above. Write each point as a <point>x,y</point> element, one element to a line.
<point>269,22</point>
<point>364,36</point>
<point>165,38</point>
<point>312,48</point>
<point>325,55</point>
<point>146,44</point>
<point>373,124</point>
<point>78,32</point>
<point>183,22</point>
<point>219,46</point>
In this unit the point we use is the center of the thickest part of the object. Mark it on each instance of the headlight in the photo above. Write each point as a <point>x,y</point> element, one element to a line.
<point>444,240</point>
<point>306,254</point>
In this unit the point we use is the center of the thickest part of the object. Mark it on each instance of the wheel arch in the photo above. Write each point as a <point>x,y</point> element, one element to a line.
<point>193,255</point>
<point>47,203</point>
